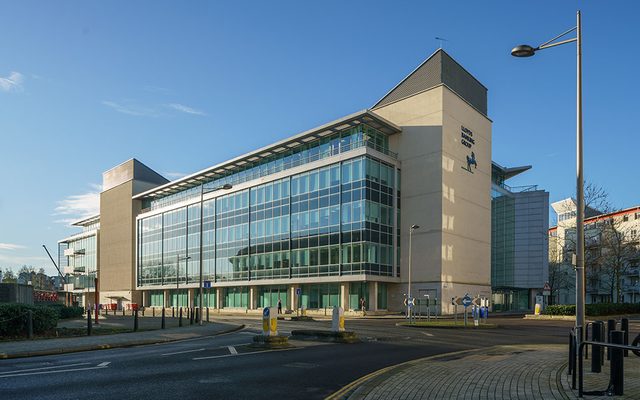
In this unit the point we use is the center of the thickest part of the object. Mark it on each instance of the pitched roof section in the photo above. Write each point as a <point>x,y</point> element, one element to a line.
<point>439,68</point>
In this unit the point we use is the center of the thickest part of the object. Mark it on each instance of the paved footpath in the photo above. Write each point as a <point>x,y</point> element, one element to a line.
<point>28,348</point>
<point>500,372</point>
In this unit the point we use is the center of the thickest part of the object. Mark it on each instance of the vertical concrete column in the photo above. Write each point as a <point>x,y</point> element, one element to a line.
<point>165,299</point>
<point>292,297</point>
<point>218,298</point>
<point>373,296</point>
<point>253,297</point>
<point>145,299</point>
<point>344,296</point>
<point>190,297</point>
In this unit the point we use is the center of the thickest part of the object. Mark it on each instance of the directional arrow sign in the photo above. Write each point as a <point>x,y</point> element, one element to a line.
<point>466,301</point>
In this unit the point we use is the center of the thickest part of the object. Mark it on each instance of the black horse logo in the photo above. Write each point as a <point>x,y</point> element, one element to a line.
<point>471,160</point>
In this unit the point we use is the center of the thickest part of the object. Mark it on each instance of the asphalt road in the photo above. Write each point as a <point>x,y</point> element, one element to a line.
<point>226,367</point>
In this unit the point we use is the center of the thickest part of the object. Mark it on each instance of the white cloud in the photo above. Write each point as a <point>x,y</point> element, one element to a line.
<point>185,109</point>
<point>130,108</point>
<point>12,83</point>
<point>10,246</point>
<point>79,206</point>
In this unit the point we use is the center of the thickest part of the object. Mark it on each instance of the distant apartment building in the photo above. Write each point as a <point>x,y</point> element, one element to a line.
<point>612,254</point>
<point>519,225</point>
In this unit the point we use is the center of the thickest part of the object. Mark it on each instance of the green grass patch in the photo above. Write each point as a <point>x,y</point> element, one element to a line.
<point>447,324</point>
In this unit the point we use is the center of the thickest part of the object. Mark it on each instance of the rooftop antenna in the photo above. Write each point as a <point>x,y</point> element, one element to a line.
<point>441,40</point>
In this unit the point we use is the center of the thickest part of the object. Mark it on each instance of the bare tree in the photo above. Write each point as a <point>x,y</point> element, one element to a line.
<point>619,251</point>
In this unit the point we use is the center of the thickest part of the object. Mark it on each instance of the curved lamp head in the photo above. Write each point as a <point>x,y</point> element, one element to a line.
<point>524,50</point>
<point>414,227</point>
<point>227,186</point>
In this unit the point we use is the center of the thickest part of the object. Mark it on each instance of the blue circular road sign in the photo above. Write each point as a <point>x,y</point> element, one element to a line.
<point>466,301</point>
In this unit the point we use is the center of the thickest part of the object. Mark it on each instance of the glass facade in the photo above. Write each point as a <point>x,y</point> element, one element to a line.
<point>502,238</point>
<point>82,263</point>
<point>329,221</point>
<point>317,149</point>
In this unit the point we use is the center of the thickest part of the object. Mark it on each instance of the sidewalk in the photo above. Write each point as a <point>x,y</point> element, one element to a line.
<point>29,348</point>
<point>500,372</point>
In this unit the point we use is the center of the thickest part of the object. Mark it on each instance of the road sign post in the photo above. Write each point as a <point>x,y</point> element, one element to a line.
<point>466,302</point>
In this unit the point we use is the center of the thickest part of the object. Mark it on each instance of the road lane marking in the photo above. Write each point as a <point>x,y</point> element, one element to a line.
<point>39,369</point>
<point>232,350</point>
<point>52,372</point>
<point>182,352</point>
<point>104,364</point>
<point>428,334</point>
<point>243,354</point>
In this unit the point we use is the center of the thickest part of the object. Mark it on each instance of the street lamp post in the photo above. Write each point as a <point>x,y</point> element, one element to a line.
<point>528,51</point>
<point>226,186</point>
<point>413,228</point>
<point>178,259</point>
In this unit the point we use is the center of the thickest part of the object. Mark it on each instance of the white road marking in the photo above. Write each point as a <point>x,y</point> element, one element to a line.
<point>39,369</point>
<point>232,350</point>
<point>182,352</point>
<point>52,372</point>
<point>104,364</point>
<point>243,354</point>
<point>428,334</point>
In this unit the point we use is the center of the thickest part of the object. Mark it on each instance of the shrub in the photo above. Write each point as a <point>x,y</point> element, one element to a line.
<point>594,309</point>
<point>14,319</point>
<point>65,312</point>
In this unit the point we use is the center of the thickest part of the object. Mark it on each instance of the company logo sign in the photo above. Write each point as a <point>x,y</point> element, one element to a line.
<point>467,140</point>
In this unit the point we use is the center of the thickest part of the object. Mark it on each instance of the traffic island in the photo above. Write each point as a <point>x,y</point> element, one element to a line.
<point>446,324</point>
<point>301,318</point>
<point>270,342</point>
<point>325,336</point>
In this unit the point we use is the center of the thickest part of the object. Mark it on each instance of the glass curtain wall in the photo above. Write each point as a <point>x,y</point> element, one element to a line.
<point>334,220</point>
<point>349,139</point>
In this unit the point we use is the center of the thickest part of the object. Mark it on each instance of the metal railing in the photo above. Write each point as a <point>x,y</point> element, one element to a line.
<point>244,176</point>
<point>615,339</point>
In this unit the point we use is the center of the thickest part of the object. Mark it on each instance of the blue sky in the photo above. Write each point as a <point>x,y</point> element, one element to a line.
<point>181,86</point>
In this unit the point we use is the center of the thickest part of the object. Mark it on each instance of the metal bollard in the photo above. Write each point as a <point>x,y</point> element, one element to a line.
<point>617,364</point>
<point>89,323</point>
<point>173,312</point>
<point>624,326</point>
<point>143,311</point>
<point>596,356</point>
<point>207,314</point>
<point>163,322</point>
<point>191,316</point>
<point>135,320</point>
<point>570,370</point>
<point>611,326</point>
<point>30,324</point>
<point>180,318</point>
<point>197,310</point>
<point>153,312</point>
<point>123,311</point>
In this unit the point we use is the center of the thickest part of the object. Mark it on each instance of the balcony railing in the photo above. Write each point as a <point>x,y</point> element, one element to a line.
<point>245,176</point>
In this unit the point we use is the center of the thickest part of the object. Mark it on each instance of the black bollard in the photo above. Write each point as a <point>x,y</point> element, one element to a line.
<point>611,326</point>
<point>180,318</point>
<point>153,312</point>
<point>123,311</point>
<point>135,320</point>
<point>143,311</point>
<point>173,312</point>
<point>197,315</point>
<point>207,314</point>
<point>570,370</point>
<point>617,364</point>
<point>191,316</point>
<point>30,324</point>
<point>624,326</point>
<point>163,323</point>
<point>89,323</point>
<point>596,356</point>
